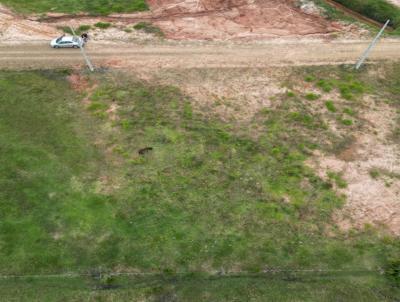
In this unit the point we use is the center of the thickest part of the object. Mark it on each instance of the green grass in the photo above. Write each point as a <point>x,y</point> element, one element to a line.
<point>257,288</point>
<point>337,178</point>
<point>149,28</point>
<point>374,173</point>
<point>78,31</point>
<point>99,7</point>
<point>325,85</point>
<point>347,122</point>
<point>330,105</point>
<point>312,96</point>
<point>83,28</point>
<point>76,196</point>
<point>102,25</point>
<point>378,10</point>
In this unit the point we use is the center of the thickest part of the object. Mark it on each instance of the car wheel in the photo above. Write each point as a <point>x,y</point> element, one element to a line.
<point>75,46</point>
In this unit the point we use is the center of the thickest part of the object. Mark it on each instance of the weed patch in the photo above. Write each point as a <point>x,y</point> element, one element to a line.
<point>330,106</point>
<point>149,28</point>
<point>312,96</point>
<point>102,25</point>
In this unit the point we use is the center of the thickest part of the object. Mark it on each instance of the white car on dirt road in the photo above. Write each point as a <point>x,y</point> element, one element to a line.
<point>67,42</point>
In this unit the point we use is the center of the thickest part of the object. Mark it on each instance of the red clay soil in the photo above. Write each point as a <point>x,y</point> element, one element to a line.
<point>221,19</point>
<point>236,19</point>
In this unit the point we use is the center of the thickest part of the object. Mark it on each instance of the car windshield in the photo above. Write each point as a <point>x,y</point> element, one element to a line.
<point>59,39</point>
<point>75,39</point>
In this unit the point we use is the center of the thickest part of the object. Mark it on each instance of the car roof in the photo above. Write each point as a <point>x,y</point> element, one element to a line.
<point>67,38</point>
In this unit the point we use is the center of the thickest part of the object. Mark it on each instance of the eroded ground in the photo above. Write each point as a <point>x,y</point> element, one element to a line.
<point>237,19</point>
<point>367,159</point>
<point>13,27</point>
<point>190,19</point>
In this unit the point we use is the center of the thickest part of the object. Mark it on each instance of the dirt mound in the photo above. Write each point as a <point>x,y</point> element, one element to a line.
<point>236,19</point>
<point>14,28</point>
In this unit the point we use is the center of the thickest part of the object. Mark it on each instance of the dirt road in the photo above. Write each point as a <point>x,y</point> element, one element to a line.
<point>312,52</point>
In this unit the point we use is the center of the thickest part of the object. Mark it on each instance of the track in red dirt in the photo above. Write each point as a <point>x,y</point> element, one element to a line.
<point>224,19</point>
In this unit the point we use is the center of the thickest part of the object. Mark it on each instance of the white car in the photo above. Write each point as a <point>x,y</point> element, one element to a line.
<point>67,42</point>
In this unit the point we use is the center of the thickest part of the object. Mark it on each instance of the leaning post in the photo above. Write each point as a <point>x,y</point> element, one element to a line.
<point>371,46</point>
<point>89,64</point>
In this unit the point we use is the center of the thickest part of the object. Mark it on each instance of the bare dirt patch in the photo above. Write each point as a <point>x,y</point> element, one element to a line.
<point>78,82</point>
<point>233,94</point>
<point>217,19</point>
<point>15,28</point>
<point>373,201</point>
<point>237,19</point>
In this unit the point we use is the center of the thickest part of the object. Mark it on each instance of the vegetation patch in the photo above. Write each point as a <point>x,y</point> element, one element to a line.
<point>103,25</point>
<point>149,28</point>
<point>77,195</point>
<point>96,7</point>
<point>312,96</point>
<point>330,106</point>
<point>378,10</point>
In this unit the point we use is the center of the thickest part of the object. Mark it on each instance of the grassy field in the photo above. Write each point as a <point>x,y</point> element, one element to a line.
<point>102,7</point>
<point>75,196</point>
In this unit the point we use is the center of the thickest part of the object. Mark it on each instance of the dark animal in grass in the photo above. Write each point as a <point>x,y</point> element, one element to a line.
<point>145,150</point>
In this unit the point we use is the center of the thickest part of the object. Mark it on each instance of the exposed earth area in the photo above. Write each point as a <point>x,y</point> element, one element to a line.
<point>237,19</point>
<point>193,19</point>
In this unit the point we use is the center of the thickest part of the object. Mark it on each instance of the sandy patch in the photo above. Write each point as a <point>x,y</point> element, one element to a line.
<point>14,28</point>
<point>374,201</point>
<point>235,94</point>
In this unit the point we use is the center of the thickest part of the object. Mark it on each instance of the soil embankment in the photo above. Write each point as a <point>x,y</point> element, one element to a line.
<point>208,19</point>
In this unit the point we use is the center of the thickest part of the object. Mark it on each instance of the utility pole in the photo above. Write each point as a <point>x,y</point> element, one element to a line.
<point>89,64</point>
<point>371,46</point>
